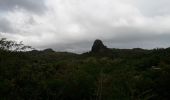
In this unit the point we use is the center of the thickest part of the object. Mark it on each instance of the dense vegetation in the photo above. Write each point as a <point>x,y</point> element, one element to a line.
<point>123,74</point>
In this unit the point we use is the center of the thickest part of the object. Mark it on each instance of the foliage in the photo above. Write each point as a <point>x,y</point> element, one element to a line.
<point>125,74</point>
<point>12,45</point>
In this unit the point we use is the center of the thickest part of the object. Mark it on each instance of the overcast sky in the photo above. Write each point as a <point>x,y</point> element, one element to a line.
<point>73,25</point>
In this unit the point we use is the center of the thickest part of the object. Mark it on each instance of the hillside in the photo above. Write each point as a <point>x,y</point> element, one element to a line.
<point>100,74</point>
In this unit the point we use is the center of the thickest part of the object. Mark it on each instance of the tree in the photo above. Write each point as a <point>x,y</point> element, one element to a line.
<point>9,45</point>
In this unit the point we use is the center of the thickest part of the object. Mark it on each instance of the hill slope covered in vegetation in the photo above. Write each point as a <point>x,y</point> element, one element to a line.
<point>119,74</point>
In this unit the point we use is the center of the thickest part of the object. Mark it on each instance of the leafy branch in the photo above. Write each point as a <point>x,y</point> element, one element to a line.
<point>9,45</point>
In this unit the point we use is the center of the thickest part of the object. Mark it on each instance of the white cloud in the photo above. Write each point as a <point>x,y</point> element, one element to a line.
<point>75,22</point>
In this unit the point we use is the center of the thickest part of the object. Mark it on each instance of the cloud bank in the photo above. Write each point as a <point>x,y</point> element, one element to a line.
<point>72,25</point>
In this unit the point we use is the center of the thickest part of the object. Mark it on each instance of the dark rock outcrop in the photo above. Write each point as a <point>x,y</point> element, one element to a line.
<point>99,47</point>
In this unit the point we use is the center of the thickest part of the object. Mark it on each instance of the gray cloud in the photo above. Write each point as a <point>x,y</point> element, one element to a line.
<point>5,26</point>
<point>37,6</point>
<point>152,7</point>
<point>71,25</point>
<point>130,40</point>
